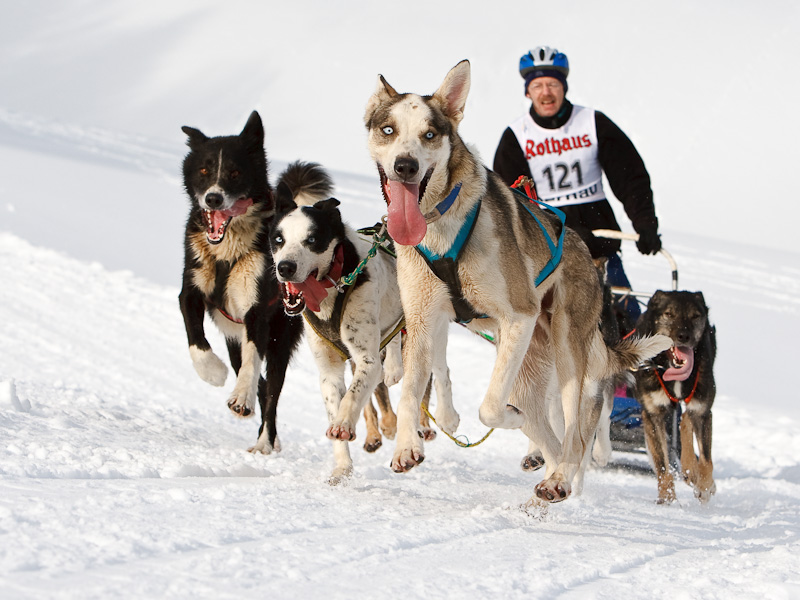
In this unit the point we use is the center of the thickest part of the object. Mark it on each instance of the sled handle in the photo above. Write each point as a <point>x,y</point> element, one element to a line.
<point>634,237</point>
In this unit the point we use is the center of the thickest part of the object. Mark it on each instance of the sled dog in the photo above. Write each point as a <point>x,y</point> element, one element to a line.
<point>441,197</point>
<point>228,270</point>
<point>684,373</point>
<point>313,248</point>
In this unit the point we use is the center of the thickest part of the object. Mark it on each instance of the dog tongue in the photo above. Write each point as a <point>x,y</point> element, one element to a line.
<point>405,221</point>
<point>685,354</point>
<point>313,292</point>
<point>218,217</point>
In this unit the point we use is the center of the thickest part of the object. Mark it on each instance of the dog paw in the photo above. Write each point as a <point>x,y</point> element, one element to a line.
<point>406,459</point>
<point>262,446</point>
<point>388,428</point>
<point>209,366</point>
<point>601,455</point>
<point>448,420</point>
<point>344,432</point>
<point>427,433</point>
<point>704,494</point>
<point>532,462</point>
<point>553,491</point>
<point>340,475</point>
<point>510,417</point>
<point>392,376</point>
<point>372,444</point>
<point>242,403</point>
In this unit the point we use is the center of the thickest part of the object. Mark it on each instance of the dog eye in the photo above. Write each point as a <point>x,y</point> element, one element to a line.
<point>311,239</point>
<point>278,239</point>
<point>387,130</point>
<point>234,174</point>
<point>203,171</point>
<point>430,135</point>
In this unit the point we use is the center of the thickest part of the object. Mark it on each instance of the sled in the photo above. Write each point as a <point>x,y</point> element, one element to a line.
<point>627,433</point>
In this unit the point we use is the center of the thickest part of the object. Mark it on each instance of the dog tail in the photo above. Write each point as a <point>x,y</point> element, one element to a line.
<point>629,353</point>
<point>308,181</point>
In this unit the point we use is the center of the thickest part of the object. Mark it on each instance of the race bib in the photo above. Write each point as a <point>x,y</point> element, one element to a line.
<point>563,161</point>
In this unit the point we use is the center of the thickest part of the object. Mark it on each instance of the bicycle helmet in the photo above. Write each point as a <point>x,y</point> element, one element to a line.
<point>544,58</point>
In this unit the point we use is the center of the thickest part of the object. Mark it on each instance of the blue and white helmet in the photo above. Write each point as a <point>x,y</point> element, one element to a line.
<point>544,58</point>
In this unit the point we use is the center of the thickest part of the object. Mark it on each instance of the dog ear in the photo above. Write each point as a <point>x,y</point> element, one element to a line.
<point>329,204</point>
<point>284,199</point>
<point>196,137</point>
<point>383,92</point>
<point>452,94</point>
<point>253,130</point>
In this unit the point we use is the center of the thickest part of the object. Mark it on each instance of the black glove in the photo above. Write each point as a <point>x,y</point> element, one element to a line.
<point>649,241</point>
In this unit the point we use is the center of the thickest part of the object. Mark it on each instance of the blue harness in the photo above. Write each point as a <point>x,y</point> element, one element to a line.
<point>445,266</point>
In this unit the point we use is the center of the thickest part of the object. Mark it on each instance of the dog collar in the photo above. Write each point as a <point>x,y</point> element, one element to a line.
<point>331,279</point>
<point>444,205</point>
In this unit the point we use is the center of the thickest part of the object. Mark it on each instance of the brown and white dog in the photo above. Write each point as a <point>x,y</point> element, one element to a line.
<point>542,331</point>
<point>684,373</point>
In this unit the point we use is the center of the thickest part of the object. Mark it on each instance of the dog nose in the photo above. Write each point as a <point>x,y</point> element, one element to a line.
<point>287,269</point>
<point>214,200</point>
<point>406,168</point>
<point>682,337</point>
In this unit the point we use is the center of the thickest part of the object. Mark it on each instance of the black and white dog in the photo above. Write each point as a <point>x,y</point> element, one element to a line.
<point>312,249</point>
<point>684,373</point>
<point>228,269</point>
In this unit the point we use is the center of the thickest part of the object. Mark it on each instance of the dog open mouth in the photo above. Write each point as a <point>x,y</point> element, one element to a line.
<point>309,293</point>
<point>217,221</point>
<point>406,223</point>
<point>293,300</point>
<point>681,363</point>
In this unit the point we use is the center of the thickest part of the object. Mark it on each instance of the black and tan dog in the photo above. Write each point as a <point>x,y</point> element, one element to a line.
<point>228,268</point>
<point>684,373</point>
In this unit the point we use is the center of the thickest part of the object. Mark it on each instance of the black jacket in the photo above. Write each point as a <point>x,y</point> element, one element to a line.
<point>622,165</point>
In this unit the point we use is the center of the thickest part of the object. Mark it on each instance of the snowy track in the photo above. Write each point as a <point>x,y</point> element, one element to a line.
<point>123,474</point>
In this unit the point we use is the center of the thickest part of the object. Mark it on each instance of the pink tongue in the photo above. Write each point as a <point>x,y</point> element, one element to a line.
<point>239,208</point>
<point>313,292</point>
<point>685,354</point>
<point>405,223</point>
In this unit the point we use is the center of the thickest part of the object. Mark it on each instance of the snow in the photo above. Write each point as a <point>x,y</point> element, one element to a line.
<point>123,474</point>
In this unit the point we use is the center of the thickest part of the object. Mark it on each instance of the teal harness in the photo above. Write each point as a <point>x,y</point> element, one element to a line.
<point>445,266</point>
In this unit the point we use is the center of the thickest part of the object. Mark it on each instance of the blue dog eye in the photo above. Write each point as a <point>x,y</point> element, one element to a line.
<point>430,135</point>
<point>311,239</point>
<point>387,130</point>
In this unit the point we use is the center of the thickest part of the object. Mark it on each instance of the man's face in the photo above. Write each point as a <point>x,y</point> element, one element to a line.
<point>547,95</point>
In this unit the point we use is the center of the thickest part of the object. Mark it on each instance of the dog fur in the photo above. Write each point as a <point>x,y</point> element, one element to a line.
<point>682,316</point>
<point>304,243</point>
<point>545,333</point>
<point>228,270</point>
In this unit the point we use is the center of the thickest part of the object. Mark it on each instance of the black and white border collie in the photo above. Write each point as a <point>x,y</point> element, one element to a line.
<point>228,269</point>
<point>312,248</point>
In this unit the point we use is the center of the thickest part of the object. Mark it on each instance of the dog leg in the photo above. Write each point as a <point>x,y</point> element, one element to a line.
<point>570,364</point>
<point>242,400</point>
<point>332,386</point>
<point>366,376</point>
<point>419,347</point>
<point>393,362</point>
<point>388,423</point>
<point>654,422</point>
<point>373,441</point>
<point>703,478</point>
<point>446,416</point>
<point>208,365</point>
<point>513,340</point>
<point>533,460</point>
<point>282,337</point>
<point>601,450</point>
<point>428,433</point>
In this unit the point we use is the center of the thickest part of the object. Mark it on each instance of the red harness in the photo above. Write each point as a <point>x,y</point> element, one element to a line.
<point>673,398</point>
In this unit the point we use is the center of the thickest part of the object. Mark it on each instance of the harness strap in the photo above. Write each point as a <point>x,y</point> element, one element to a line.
<point>673,398</point>
<point>444,205</point>
<point>445,267</point>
